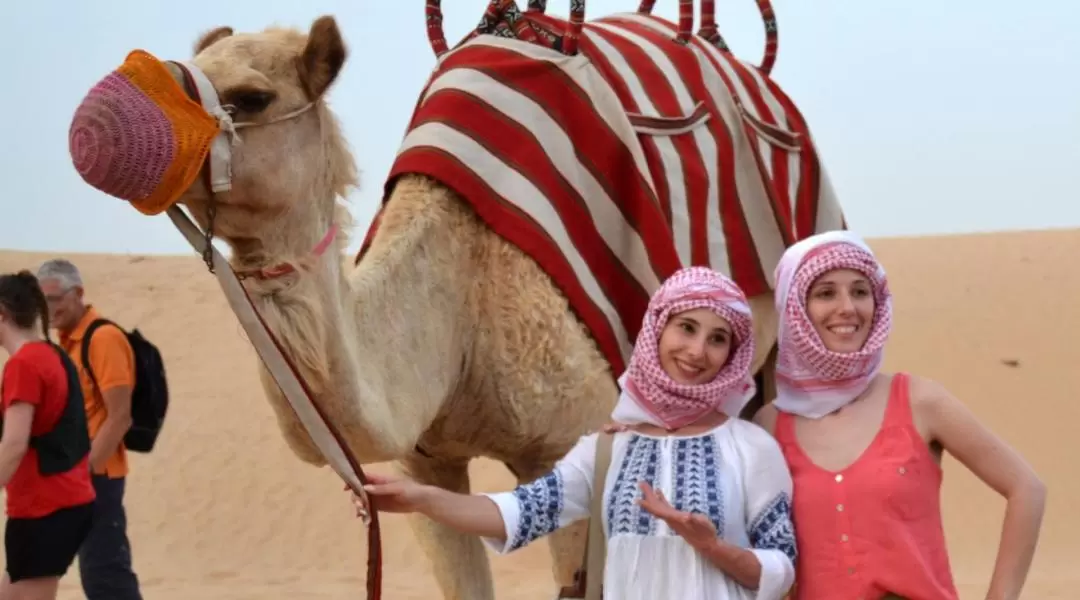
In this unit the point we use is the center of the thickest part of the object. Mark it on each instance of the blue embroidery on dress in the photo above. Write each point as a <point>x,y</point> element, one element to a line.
<point>641,463</point>
<point>540,503</point>
<point>696,486</point>
<point>773,530</point>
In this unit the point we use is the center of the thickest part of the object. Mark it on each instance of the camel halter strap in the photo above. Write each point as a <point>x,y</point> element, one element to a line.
<point>323,432</point>
<point>221,148</point>
<point>219,162</point>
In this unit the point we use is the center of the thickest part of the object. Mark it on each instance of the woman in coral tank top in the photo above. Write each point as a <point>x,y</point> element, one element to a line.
<point>865,447</point>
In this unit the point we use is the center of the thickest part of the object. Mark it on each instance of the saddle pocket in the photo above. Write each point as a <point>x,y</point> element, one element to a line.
<point>667,126</point>
<point>773,134</point>
<point>909,490</point>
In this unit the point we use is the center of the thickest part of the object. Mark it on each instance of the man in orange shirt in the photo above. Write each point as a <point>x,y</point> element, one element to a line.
<point>105,556</point>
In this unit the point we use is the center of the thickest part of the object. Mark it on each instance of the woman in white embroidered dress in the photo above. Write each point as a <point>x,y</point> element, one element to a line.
<point>726,533</point>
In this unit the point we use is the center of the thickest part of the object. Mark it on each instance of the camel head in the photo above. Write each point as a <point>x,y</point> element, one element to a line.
<point>289,167</point>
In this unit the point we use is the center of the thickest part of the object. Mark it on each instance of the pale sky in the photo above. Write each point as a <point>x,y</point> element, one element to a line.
<point>932,116</point>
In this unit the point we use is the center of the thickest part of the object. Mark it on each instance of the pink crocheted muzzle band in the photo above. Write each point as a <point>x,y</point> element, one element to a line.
<point>137,135</point>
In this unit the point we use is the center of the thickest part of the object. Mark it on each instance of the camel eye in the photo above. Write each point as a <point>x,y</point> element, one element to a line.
<point>251,101</point>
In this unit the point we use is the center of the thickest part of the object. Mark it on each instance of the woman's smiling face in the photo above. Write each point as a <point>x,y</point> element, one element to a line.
<point>694,346</point>
<point>840,305</point>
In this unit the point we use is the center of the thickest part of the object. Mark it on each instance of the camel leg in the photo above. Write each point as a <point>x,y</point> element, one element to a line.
<point>768,377</point>
<point>567,545</point>
<point>766,386</point>
<point>459,562</point>
<point>766,326</point>
<point>292,430</point>
<point>763,365</point>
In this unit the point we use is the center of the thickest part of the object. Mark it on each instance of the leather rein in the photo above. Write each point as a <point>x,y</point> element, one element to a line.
<point>319,427</point>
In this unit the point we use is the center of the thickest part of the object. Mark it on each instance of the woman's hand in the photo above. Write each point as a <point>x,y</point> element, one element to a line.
<point>614,427</point>
<point>467,513</point>
<point>394,494</point>
<point>696,529</point>
<point>360,505</point>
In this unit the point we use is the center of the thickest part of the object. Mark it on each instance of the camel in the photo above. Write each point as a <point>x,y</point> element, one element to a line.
<point>444,343</point>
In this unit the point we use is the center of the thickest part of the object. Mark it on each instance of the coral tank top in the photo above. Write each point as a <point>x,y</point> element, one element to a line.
<point>872,530</point>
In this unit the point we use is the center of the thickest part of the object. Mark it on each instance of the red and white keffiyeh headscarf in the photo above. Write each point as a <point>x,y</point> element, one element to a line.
<point>811,380</point>
<point>649,395</point>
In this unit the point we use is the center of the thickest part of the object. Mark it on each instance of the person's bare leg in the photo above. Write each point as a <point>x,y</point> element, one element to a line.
<point>42,588</point>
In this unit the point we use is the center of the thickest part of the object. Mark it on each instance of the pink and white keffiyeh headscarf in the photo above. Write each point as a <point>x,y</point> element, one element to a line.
<point>649,395</point>
<point>811,380</point>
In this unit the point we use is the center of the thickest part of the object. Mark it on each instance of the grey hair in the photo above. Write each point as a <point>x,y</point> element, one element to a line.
<point>62,270</point>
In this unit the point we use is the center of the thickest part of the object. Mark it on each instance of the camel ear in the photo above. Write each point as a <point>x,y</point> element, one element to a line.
<point>212,36</point>
<point>322,58</point>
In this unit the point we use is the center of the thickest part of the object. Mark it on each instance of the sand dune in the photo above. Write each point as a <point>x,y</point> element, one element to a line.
<point>223,510</point>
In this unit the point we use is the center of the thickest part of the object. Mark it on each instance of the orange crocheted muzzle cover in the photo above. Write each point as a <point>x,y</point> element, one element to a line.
<point>138,136</point>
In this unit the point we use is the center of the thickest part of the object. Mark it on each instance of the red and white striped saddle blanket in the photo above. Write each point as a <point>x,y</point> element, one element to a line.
<point>614,167</point>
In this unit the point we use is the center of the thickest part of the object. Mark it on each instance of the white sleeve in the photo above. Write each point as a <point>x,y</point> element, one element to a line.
<point>768,512</point>
<point>557,499</point>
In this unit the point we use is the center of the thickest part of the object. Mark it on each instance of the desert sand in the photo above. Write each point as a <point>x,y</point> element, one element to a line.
<point>222,510</point>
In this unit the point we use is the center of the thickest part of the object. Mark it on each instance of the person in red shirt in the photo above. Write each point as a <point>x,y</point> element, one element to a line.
<point>44,447</point>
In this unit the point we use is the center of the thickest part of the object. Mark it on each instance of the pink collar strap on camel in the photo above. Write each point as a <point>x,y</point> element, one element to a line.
<point>284,268</point>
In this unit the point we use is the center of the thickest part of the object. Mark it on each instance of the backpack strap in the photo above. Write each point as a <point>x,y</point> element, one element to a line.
<point>84,350</point>
<point>58,452</point>
<point>596,542</point>
<point>61,448</point>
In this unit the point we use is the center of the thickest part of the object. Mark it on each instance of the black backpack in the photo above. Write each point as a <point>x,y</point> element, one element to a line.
<point>150,396</point>
<point>61,448</point>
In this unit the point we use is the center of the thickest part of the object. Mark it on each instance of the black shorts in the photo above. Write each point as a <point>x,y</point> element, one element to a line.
<point>46,546</point>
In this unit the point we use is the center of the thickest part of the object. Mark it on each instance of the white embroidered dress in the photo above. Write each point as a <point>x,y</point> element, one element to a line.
<point>734,474</point>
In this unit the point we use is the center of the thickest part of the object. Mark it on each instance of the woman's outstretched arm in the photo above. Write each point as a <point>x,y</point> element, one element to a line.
<point>467,513</point>
<point>505,521</point>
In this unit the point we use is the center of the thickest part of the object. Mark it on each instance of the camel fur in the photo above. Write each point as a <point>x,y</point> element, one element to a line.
<point>445,337</point>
